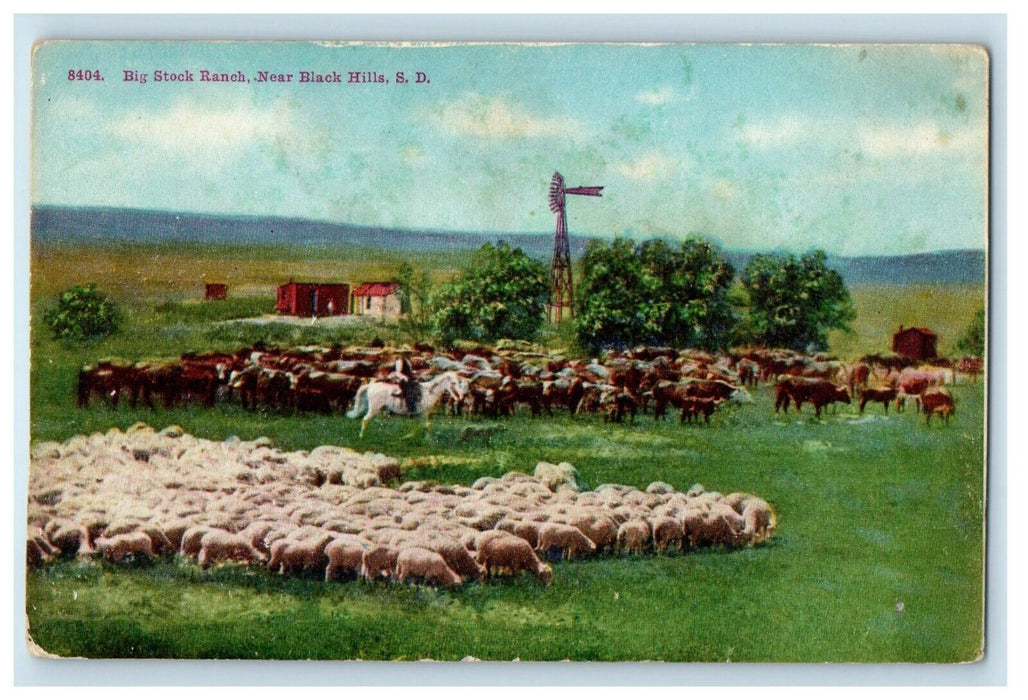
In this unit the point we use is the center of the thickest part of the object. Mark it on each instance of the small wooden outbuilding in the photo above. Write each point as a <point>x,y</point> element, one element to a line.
<point>313,299</point>
<point>378,299</point>
<point>916,343</point>
<point>215,291</point>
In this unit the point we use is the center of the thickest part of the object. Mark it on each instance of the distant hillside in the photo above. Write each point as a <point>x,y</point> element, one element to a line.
<point>52,224</point>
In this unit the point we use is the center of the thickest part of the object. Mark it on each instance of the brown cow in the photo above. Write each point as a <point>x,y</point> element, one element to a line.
<point>522,391</point>
<point>819,392</point>
<point>324,391</point>
<point>937,401</point>
<point>882,395</point>
<point>693,408</point>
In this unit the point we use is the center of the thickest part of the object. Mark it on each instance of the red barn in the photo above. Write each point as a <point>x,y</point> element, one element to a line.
<point>915,343</point>
<point>215,292</point>
<point>313,299</point>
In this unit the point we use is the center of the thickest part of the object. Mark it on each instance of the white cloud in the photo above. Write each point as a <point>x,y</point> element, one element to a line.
<point>649,166</point>
<point>413,155</point>
<point>657,96</point>
<point>916,139</point>
<point>724,189</point>
<point>188,127</point>
<point>496,118</point>
<point>782,131</point>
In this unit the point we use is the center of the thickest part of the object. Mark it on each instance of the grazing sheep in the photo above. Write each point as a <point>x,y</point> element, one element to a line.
<point>38,550</point>
<point>219,545</point>
<point>720,525</point>
<point>378,562</point>
<point>566,538</point>
<point>457,557</point>
<point>667,533</point>
<point>190,546</point>
<point>529,532</point>
<point>556,475</point>
<point>345,555</point>
<point>256,532</point>
<point>603,531</point>
<point>128,544</point>
<point>513,555</point>
<point>68,536</point>
<point>174,532</point>
<point>290,555</point>
<point>162,546</point>
<point>425,565</point>
<point>633,536</point>
<point>759,520</point>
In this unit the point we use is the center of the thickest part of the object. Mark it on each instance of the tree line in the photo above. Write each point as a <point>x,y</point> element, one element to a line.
<point>684,294</point>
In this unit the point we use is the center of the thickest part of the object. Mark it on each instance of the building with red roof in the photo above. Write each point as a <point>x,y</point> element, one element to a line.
<point>377,299</point>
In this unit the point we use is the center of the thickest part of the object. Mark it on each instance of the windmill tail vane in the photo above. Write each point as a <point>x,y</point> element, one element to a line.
<point>561,288</point>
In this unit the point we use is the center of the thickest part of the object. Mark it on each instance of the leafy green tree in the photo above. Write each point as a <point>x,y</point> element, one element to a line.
<point>615,300</point>
<point>82,313</point>
<point>501,294</point>
<point>654,293</point>
<point>694,280</point>
<point>415,302</point>
<point>972,342</point>
<point>794,303</point>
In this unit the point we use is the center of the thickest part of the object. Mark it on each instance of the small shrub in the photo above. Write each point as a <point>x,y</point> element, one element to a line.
<point>82,313</point>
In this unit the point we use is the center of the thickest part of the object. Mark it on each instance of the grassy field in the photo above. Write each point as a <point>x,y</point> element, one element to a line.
<point>881,309</point>
<point>878,557</point>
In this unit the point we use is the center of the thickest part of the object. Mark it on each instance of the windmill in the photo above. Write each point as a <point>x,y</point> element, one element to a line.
<point>561,291</point>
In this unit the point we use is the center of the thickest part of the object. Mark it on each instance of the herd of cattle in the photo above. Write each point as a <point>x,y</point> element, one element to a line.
<point>499,380</point>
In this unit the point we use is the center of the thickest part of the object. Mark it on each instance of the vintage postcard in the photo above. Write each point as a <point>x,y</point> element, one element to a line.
<point>589,352</point>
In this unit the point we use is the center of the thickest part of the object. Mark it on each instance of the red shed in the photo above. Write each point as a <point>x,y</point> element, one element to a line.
<point>915,343</point>
<point>313,299</point>
<point>215,292</point>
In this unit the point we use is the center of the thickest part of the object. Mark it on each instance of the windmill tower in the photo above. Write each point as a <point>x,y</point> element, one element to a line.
<point>561,291</point>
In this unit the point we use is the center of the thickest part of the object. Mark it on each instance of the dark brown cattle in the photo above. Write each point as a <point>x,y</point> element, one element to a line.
<point>749,372</point>
<point>628,378</point>
<point>882,395</point>
<point>565,393</point>
<point>971,366</point>
<point>937,401</point>
<point>819,392</point>
<point>324,391</point>
<point>164,379</point>
<point>709,389</point>
<point>107,380</point>
<point>857,376</point>
<point>693,408</point>
<point>245,382</point>
<point>527,392</point>
<point>199,382</point>
<point>619,404</point>
<point>275,388</point>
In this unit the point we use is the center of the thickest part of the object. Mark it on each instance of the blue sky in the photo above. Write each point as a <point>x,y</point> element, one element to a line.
<point>860,150</point>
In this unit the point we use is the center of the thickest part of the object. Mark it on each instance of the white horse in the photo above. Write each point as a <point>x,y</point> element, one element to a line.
<point>375,397</point>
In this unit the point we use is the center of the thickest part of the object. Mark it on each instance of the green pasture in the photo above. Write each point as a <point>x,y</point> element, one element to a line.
<point>878,556</point>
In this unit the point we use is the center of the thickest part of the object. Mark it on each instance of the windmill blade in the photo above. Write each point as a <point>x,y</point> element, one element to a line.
<point>590,191</point>
<point>556,192</point>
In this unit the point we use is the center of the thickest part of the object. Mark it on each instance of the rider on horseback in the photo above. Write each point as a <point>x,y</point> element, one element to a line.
<point>410,389</point>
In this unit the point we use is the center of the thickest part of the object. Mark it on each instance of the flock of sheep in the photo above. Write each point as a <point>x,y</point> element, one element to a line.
<point>141,494</point>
